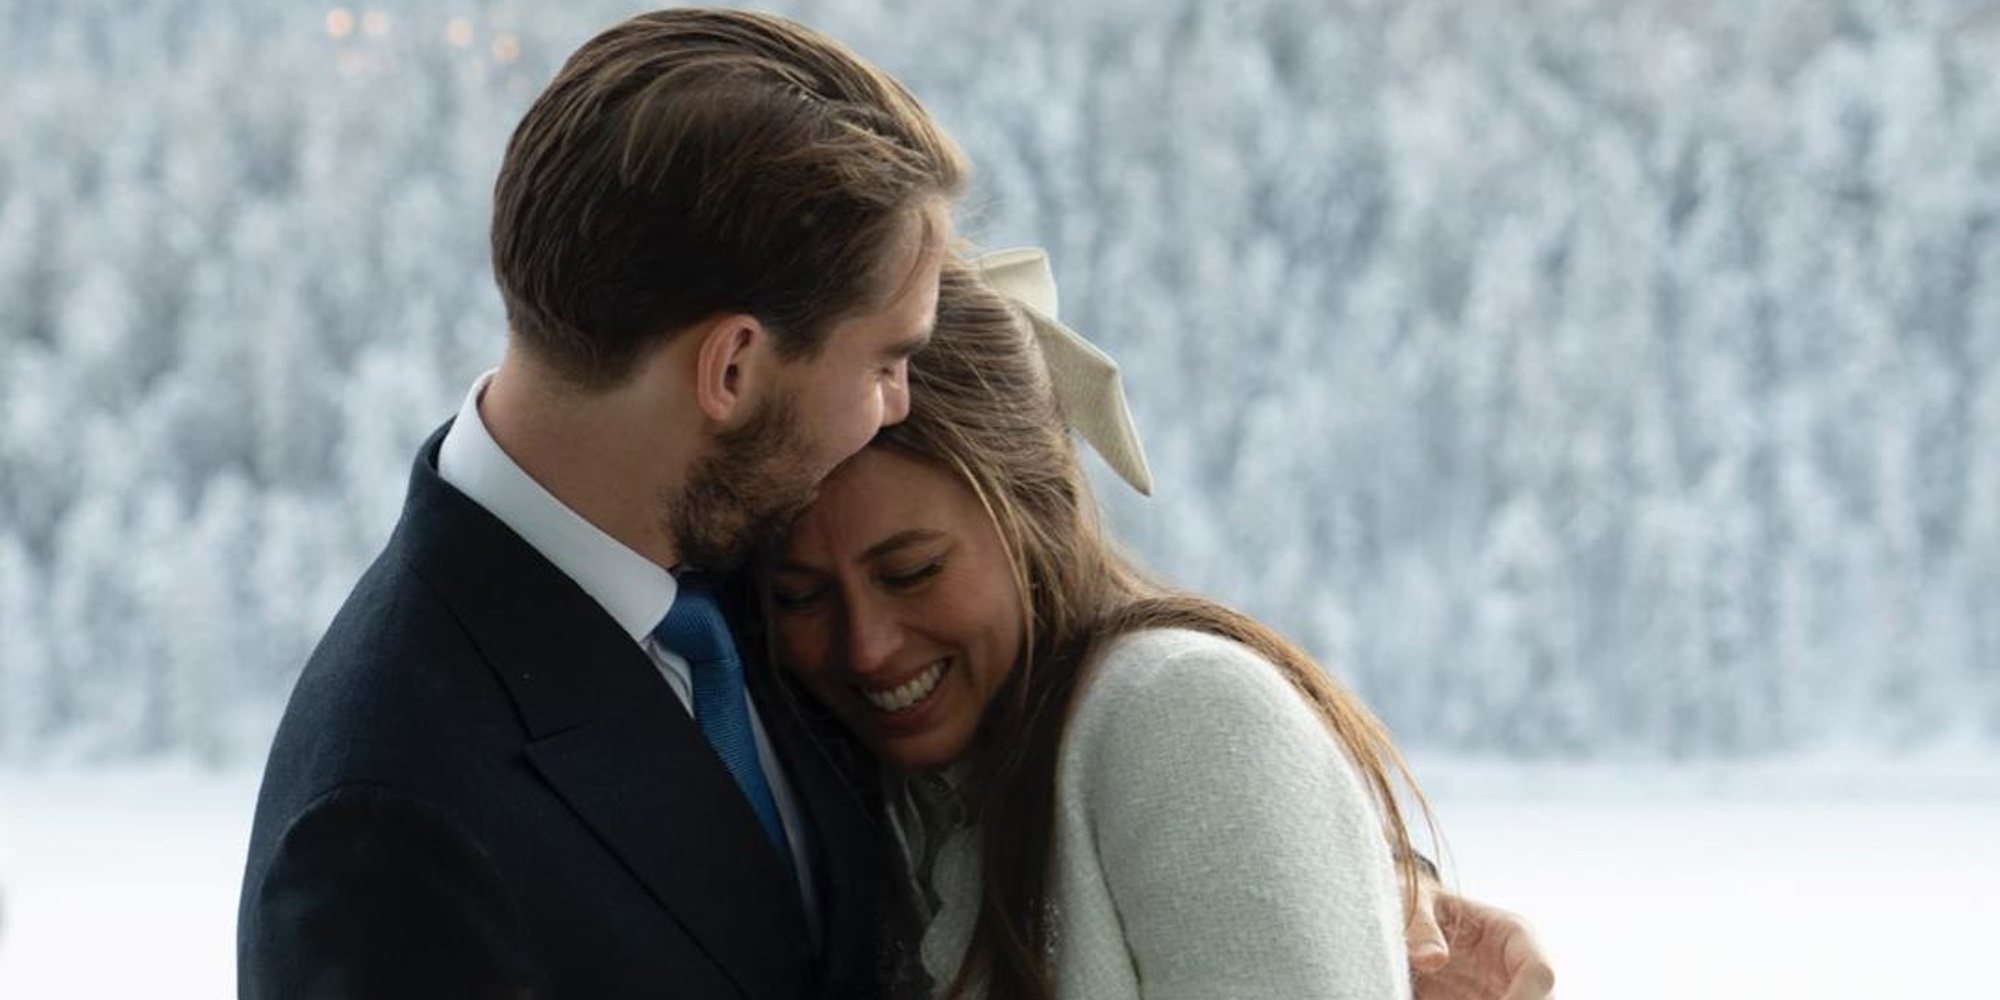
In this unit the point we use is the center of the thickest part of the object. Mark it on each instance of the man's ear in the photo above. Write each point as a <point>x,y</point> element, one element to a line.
<point>733,358</point>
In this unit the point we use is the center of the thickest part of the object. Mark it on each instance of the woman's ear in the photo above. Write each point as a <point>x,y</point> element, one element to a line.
<point>733,358</point>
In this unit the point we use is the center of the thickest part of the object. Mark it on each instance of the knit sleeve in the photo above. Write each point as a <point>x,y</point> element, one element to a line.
<point>1243,855</point>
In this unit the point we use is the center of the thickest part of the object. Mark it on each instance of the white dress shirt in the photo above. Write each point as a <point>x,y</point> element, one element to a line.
<point>634,590</point>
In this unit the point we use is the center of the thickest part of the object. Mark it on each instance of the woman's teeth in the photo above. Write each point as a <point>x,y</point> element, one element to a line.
<point>910,693</point>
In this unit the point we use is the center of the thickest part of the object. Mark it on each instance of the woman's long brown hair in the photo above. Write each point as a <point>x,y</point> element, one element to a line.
<point>981,406</point>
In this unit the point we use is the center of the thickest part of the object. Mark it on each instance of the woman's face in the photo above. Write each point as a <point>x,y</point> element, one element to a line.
<point>896,607</point>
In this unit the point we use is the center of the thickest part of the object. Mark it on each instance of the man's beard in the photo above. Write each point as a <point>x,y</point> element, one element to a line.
<point>745,491</point>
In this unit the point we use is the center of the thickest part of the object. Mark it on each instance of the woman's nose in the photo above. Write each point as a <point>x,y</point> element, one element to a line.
<point>873,636</point>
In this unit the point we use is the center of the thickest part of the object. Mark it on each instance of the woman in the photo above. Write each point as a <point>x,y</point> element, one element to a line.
<point>1110,788</point>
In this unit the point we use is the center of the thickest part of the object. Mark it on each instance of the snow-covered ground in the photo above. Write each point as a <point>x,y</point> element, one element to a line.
<point>121,883</point>
<point>1851,882</point>
<point>1643,882</point>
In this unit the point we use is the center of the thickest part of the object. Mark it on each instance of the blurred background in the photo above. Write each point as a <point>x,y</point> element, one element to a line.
<point>1608,389</point>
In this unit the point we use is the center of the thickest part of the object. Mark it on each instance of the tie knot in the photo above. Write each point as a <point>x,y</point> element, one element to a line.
<point>694,626</point>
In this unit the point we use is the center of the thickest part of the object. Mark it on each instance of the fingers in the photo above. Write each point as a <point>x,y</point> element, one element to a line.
<point>1535,981</point>
<point>1530,976</point>
<point>1495,947</point>
<point>1463,921</point>
<point>1428,950</point>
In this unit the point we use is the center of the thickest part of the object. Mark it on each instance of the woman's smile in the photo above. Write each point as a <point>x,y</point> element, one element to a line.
<point>895,606</point>
<point>907,697</point>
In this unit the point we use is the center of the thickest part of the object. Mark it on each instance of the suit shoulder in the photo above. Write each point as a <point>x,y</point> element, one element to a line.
<point>396,690</point>
<point>391,609</point>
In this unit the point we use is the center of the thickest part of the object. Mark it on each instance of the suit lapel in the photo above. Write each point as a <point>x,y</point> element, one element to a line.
<point>609,736</point>
<point>697,846</point>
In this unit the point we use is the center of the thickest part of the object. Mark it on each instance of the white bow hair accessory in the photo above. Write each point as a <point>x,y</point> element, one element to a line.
<point>1084,378</point>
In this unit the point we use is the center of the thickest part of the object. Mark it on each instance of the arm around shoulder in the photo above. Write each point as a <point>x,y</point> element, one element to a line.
<point>375,893</point>
<point>1245,855</point>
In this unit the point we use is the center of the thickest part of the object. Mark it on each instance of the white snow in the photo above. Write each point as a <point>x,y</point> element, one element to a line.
<point>1735,881</point>
<point>1726,882</point>
<point>121,883</point>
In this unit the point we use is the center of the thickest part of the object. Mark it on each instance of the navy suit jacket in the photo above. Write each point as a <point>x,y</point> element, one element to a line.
<point>483,788</point>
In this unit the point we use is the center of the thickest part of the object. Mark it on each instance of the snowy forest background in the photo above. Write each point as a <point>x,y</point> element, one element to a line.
<point>1583,378</point>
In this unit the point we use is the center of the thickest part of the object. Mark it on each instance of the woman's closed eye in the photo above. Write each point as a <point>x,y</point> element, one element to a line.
<point>797,597</point>
<point>906,579</point>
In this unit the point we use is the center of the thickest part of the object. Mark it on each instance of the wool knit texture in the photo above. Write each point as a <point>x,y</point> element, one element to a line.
<point>1213,840</point>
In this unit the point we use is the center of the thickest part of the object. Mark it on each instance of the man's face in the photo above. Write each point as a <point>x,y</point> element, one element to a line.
<point>819,412</point>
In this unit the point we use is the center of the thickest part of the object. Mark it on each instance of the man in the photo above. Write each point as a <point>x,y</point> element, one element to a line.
<point>718,237</point>
<point>513,767</point>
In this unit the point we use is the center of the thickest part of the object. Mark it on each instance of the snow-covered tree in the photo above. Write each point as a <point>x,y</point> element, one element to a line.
<point>1574,378</point>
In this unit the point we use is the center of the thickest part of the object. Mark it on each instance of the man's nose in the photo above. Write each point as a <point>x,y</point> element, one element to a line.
<point>896,396</point>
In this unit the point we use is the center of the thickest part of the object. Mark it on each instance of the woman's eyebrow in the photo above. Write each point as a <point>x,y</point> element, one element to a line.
<point>901,539</point>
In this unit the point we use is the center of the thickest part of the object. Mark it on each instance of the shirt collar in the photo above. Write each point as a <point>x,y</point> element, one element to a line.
<point>635,590</point>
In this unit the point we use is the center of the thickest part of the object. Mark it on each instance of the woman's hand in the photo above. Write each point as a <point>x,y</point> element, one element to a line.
<point>1464,950</point>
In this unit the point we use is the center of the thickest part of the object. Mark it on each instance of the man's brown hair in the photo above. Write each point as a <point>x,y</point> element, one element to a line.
<point>692,162</point>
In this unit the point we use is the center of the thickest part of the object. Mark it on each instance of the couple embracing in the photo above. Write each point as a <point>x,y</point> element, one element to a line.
<point>750,633</point>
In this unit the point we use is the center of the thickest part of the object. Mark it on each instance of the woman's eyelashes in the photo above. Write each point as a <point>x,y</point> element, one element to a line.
<point>796,597</point>
<point>799,596</point>
<point>910,578</point>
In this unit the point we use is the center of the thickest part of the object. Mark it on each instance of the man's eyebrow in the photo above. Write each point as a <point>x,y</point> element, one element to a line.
<point>901,539</point>
<point>905,349</point>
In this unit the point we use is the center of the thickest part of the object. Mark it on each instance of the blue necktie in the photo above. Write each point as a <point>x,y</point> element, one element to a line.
<point>695,629</point>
